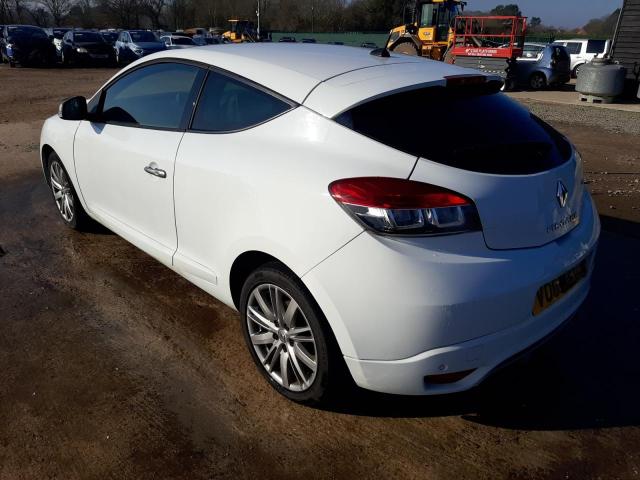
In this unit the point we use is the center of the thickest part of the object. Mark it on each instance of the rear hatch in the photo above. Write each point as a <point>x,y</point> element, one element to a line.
<point>522,175</point>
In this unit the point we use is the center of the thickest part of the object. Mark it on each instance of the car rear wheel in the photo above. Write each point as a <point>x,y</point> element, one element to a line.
<point>576,71</point>
<point>64,195</point>
<point>537,81</point>
<point>287,336</point>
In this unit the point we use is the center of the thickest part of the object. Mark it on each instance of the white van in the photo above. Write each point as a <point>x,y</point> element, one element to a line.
<point>583,51</point>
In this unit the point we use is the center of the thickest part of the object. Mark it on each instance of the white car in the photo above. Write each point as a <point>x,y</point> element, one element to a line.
<point>582,51</point>
<point>307,187</point>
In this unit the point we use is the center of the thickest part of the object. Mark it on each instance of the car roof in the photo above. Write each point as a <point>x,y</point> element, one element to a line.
<point>297,70</point>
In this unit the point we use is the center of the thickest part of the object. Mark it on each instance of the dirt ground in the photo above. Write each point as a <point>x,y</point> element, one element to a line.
<point>112,366</point>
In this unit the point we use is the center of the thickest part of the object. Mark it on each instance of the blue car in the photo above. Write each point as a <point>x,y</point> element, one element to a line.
<point>541,66</point>
<point>134,44</point>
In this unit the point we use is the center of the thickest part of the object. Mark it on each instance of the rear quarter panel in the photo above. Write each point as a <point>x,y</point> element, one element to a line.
<point>266,189</point>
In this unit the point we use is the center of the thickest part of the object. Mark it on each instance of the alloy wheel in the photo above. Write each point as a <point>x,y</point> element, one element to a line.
<point>538,81</point>
<point>62,193</point>
<point>282,337</point>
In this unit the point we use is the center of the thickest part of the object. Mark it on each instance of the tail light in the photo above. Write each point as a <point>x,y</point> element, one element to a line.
<point>403,207</point>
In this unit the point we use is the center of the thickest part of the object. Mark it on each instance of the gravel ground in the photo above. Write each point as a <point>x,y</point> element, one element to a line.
<point>615,121</point>
<point>112,366</point>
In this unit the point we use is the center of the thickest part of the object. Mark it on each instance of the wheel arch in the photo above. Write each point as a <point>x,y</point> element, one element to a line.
<point>242,266</point>
<point>45,152</point>
<point>407,38</point>
<point>250,260</point>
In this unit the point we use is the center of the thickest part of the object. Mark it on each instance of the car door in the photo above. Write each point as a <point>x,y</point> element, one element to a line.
<point>212,165</point>
<point>575,52</point>
<point>124,158</point>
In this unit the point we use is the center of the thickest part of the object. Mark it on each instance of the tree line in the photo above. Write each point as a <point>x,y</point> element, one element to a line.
<point>277,15</point>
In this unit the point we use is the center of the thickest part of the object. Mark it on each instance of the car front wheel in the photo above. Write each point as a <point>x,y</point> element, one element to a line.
<point>64,195</point>
<point>287,336</point>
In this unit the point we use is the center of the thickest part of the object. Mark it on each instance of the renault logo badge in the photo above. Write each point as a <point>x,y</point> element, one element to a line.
<point>562,194</point>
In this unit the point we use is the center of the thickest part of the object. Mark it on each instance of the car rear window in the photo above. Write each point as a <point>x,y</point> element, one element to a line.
<point>466,128</point>
<point>560,53</point>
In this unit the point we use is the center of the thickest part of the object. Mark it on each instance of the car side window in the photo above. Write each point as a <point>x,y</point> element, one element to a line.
<point>574,48</point>
<point>227,104</point>
<point>156,96</point>
<point>596,46</point>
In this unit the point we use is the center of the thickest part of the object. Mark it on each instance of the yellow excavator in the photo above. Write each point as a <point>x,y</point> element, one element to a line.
<point>240,31</point>
<point>430,31</point>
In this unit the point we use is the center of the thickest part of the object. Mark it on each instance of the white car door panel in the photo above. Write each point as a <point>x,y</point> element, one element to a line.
<point>111,162</point>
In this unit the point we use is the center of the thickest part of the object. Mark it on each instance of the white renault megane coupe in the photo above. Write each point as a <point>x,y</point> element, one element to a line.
<point>391,217</point>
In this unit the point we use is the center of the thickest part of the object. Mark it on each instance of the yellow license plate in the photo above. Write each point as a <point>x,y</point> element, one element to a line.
<point>551,292</point>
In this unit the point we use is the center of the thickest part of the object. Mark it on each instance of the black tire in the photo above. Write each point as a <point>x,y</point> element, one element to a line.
<point>537,81</point>
<point>576,70</point>
<point>330,371</point>
<point>405,47</point>
<point>79,220</point>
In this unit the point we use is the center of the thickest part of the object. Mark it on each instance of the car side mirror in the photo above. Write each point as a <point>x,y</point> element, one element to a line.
<point>74,108</point>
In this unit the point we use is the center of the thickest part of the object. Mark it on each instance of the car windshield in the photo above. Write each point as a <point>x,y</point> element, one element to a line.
<point>27,32</point>
<point>182,41</point>
<point>110,36</point>
<point>59,33</point>
<point>143,37</point>
<point>87,37</point>
<point>499,135</point>
<point>532,51</point>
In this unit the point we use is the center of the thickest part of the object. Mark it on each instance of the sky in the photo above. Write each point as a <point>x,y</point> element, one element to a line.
<point>560,13</point>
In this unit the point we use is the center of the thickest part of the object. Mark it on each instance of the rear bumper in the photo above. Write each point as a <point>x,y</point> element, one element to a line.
<point>405,309</point>
<point>481,355</point>
<point>555,78</point>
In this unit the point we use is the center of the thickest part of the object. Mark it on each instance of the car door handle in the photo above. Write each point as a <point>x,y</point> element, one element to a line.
<point>158,172</point>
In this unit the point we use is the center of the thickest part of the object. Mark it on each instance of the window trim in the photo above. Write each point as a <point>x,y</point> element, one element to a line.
<point>226,73</point>
<point>186,126</point>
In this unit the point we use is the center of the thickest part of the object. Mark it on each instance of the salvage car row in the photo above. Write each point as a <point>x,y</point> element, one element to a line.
<point>30,45</point>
